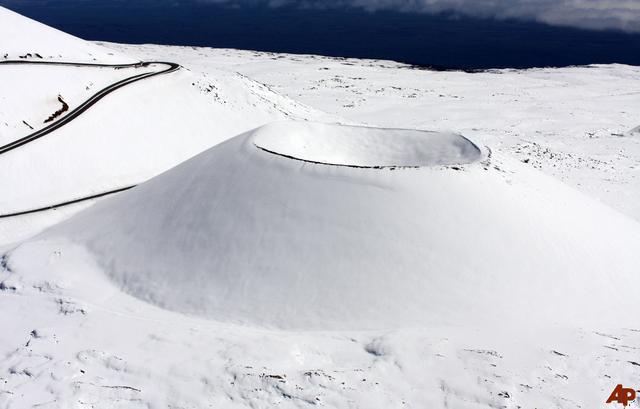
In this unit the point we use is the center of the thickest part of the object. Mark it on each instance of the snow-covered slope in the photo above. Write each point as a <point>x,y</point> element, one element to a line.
<point>23,38</point>
<point>261,229</point>
<point>71,339</point>
<point>133,134</point>
<point>572,123</point>
<point>128,136</point>
<point>30,93</point>
<point>532,268</point>
<point>512,290</point>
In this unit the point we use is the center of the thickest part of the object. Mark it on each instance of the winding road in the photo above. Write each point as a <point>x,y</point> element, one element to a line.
<point>76,112</point>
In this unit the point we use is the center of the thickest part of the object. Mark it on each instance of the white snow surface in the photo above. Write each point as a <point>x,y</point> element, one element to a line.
<point>572,123</point>
<point>364,147</point>
<point>240,234</point>
<point>237,278</point>
<point>30,93</point>
<point>62,348</point>
<point>164,120</point>
<point>124,139</point>
<point>23,38</point>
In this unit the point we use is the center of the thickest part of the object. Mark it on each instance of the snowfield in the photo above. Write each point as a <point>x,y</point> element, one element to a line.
<point>570,122</point>
<point>129,136</point>
<point>31,93</point>
<point>245,235</point>
<point>310,231</point>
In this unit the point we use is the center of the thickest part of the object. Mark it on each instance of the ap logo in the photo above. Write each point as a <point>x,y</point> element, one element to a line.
<point>622,395</point>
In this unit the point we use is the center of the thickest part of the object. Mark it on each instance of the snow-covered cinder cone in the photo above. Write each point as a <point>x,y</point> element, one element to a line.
<point>303,225</point>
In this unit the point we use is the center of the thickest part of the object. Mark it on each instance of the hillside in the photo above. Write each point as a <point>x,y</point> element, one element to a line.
<point>128,136</point>
<point>23,38</point>
<point>571,123</point>
<point>34,93</point>
<point>306,226</point>
<point>448,265</point>
<point>194,231</point>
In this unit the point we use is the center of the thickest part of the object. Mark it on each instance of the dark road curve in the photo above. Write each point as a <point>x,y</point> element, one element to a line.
<point>74,113</point>
<point>171,67</point>
<point>67,203</point>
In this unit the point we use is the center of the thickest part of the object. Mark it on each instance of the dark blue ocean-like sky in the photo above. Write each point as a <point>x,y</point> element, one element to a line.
<point>443,41</point>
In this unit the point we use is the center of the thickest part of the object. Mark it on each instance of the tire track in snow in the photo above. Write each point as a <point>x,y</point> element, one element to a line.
<point>67,203</point>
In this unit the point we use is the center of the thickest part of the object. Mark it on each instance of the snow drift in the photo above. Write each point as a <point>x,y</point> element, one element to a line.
<point>241,234</point>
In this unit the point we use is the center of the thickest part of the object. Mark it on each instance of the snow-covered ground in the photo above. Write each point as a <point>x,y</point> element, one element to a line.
<point>492,263</point>
<point>130,135</point>
<point>572,123</point>
<point>23,38</point>
<point>30,93</point>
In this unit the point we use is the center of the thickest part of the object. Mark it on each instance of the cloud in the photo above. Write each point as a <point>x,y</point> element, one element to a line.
<point>589,14</point>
